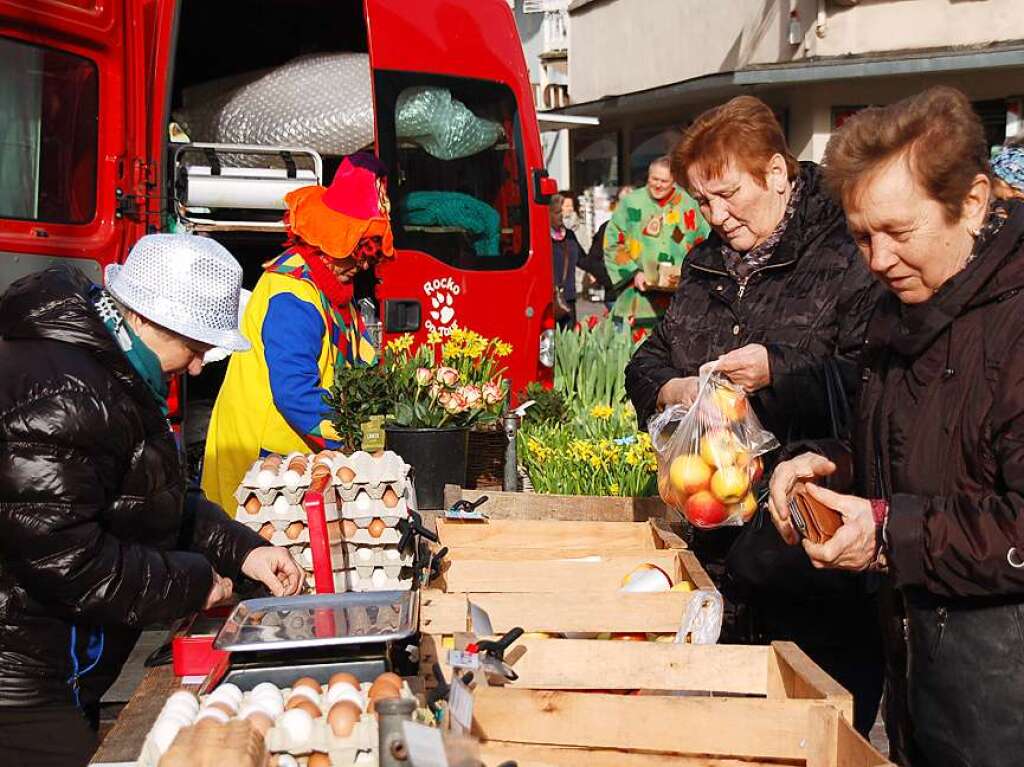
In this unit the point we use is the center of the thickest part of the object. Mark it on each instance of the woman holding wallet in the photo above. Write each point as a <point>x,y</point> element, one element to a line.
<point>937,497</point>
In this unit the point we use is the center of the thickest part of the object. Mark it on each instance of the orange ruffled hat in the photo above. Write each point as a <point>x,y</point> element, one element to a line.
<point>355,206</point>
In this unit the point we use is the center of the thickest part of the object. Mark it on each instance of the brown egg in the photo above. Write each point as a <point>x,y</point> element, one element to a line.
<point>391,678</point>
<point>349,528</point>
<point>383,689</point>
<point>318,759</point>
<point>343,717</point>
<point>253,505</point>
<point>298,464</point>
<point>377,528</point>
<point>309,707</point>
<point>345,475</point>
<point>271,463</point>
<point>325,456</point>
<point>294,530</point>
<point>387,693</point>
<point>333,531</point>
<point>343,677</point>
<point>390,498</point>
<point>223,706</point>
<point>260,722</point>
<point>321,471</point>
<point>310,682</point>
<point>267,531</point>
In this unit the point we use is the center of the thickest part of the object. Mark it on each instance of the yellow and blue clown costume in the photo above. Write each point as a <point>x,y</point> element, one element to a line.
<point>301,324</point>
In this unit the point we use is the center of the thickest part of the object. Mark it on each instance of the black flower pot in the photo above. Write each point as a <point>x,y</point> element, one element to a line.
<point>437,457</point>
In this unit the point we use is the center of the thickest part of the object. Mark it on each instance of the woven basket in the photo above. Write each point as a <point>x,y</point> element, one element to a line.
<point>486,466</point>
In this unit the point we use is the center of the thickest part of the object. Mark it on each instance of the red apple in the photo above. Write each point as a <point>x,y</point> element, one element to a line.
<point>689,474</point>
<point>745,508</point>
<point>704,510</point>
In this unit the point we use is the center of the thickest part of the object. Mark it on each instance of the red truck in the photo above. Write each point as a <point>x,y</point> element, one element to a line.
<point>89,160</point>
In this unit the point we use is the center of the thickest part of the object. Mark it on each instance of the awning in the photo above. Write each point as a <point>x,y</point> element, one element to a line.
<point>549,121</point>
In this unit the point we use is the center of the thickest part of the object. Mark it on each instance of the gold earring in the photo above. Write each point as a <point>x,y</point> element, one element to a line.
<point>974,231</point>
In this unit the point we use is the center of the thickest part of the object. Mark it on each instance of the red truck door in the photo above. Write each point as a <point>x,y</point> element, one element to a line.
<point>72,168</point>
<point>473,242</point>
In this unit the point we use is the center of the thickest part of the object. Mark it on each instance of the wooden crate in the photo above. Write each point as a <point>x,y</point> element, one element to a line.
<point>556,538</point>
<point>756,704</point>
<point>502,505</point>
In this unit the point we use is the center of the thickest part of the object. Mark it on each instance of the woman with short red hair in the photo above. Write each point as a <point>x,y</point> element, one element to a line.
<point>776,289</point>
<point>936,499</point>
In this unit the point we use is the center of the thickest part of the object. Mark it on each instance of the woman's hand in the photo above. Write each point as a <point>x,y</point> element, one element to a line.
<point>807,466</point>
<point>274,567</point>
<point>220,591</point>
<point>747,367</point>
<point>854,545</point>
<point>639,281</point>
<point>678,391</point>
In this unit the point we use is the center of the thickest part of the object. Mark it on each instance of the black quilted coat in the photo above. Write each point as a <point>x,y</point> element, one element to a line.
<point>811,300</point>
<point>98,535</point>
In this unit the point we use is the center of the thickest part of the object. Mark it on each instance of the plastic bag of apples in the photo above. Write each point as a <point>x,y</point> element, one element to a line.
<point>709,456</point>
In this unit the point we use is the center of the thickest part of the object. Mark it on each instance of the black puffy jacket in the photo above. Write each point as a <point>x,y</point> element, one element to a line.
<point>810,301</point>
<point>94,533</point>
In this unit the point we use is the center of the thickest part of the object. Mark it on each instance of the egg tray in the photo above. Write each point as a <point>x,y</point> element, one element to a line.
<point>375,508</point>
<point>371,472</point>
<point>289,514</point>
<point>351,580</point>
<point>345,556</point>
<point>279,482</point>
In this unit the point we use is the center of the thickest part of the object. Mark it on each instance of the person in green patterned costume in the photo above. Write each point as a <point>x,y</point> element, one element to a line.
<point>659,223</point>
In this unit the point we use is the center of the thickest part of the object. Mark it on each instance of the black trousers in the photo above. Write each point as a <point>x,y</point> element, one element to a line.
<point>50,736</point>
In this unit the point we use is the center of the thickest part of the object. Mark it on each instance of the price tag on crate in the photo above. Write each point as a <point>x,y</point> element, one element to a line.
<point>460,707</point>
<point>463,659</point>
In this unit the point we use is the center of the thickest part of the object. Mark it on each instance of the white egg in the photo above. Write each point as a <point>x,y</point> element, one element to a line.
<point>228,692</point>
<point>306,692</point>
<point>292,479</point>
<point>364,554</point>
<point>265,479</point>
<point>270,705</point>
<point>363,502</point>
<point>340,691</point>
<point>379,578</point>
<point>163,734</point>
<point>185,699</point>
<point>392,554</point>
<point>266,688</point>
<point>297,726</point>
<point>184,718</point>
<point>306,558</point>
<point>281,505</point>
<point>213,713</point>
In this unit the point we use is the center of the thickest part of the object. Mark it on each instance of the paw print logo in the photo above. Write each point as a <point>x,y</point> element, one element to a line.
<point>442,311</point>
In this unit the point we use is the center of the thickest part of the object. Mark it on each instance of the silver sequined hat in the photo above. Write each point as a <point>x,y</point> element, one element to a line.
<point>186,283</point>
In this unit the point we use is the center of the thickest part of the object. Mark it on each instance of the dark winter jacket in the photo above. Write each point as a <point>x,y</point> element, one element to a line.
<point>593,264</point>
<point>565,270</point>
<point>940,434</point>
<point>810,301</point>
<point>93,528</point>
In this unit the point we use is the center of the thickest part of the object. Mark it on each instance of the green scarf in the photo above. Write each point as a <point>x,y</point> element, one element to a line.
<point>141,357</point>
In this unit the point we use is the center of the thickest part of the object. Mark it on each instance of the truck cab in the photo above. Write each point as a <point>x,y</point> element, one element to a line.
<point>100,96</point>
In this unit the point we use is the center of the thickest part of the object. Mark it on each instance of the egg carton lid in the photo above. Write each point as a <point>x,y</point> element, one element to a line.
<point>376,491</point>
<point>386,468</point>
<point>374,508</point>
<point>319,620</point>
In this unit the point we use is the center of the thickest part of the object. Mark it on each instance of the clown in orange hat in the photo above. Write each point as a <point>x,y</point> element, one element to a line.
<point>301,322</point>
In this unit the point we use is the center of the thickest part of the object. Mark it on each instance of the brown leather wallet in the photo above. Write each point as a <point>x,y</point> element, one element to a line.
<point>812,519</point>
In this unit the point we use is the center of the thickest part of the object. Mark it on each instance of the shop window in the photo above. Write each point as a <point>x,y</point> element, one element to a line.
<point>595,159</point>
<point>648,145</point>
<point>457,180</point>
<point>48,134</point>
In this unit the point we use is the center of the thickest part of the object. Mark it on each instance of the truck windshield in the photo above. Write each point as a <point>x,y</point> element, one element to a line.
<point>453,146</point>
<point>48,134</point>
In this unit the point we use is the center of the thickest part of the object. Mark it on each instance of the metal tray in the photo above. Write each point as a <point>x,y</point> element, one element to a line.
<point>320,620</point>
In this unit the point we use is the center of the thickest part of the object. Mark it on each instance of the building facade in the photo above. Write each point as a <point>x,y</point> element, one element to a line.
<point>646,68</point>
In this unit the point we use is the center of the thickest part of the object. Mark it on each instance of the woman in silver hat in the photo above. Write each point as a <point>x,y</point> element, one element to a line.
<point>98,534</point>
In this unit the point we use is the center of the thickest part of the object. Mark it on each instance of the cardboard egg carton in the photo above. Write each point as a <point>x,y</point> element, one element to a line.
<point>365,506</point>
<point>373,475</point>
<point>352,580</point>
<point>269,486</point>
<point>345,556</point>
<point>280,536</point>
<point>285,512</point>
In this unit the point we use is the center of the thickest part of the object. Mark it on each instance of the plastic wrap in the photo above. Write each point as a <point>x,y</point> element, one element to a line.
<point>709,457</point>
<point>442,125</point>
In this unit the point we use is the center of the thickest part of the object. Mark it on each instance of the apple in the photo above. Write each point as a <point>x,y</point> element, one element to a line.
<point>669,494</point>
<point>730,402</point>
<point>704,510</point>
<point>689,474</point>
<point>729,484</point>
<point>627,636</point>
<point>745,508</point>
<point>720,447</point>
